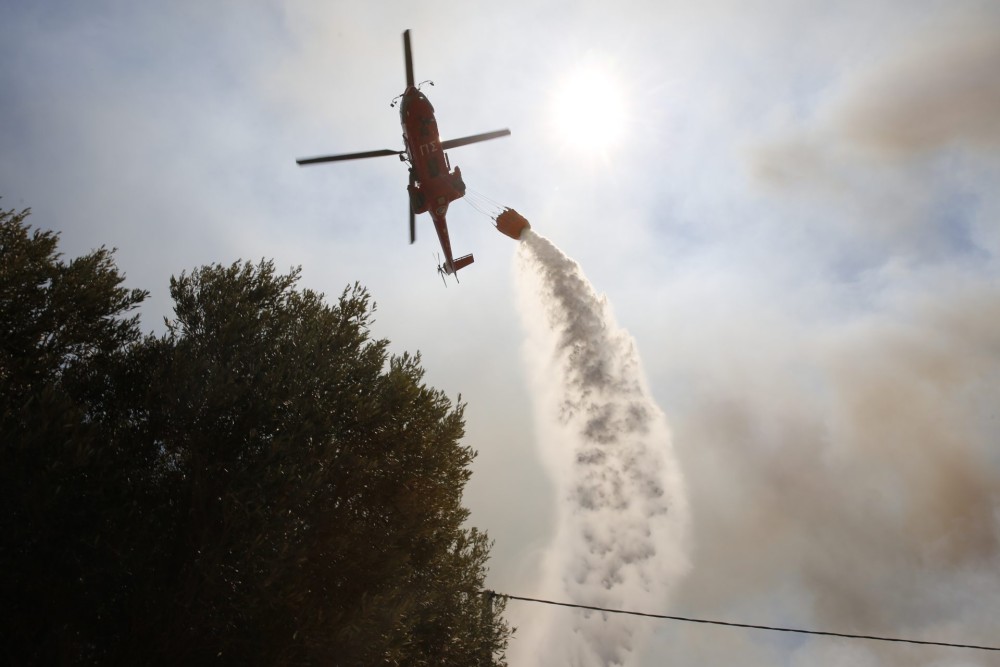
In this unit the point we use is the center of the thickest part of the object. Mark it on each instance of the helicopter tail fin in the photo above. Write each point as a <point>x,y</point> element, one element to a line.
<point>460,263</point>
<point>463,262</point>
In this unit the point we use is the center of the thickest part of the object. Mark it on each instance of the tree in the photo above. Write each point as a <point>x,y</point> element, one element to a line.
<point>283,490</point>
<point>63,486</point>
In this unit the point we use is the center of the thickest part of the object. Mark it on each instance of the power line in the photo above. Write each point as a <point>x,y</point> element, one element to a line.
<point>843,635</point>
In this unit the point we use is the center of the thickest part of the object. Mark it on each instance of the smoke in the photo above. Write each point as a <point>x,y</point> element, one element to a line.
<point>622,513</point>
<point>893,133</point>
<point>844,477</point>
<point>941,88</point>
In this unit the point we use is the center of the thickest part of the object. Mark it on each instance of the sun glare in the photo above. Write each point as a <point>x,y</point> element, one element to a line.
<point>588,110</point>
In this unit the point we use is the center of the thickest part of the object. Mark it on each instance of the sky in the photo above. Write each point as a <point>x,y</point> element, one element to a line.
<point>789,205</point>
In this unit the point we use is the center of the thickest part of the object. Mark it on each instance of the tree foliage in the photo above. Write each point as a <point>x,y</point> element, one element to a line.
<point>262,484</point>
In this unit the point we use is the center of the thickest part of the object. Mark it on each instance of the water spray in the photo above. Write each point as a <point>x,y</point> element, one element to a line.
<point>621,525</point>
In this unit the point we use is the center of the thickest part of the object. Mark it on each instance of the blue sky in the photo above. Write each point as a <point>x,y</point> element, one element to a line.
<point>798,223</point>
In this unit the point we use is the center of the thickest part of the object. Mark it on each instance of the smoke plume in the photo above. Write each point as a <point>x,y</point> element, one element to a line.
<point>622,513</point>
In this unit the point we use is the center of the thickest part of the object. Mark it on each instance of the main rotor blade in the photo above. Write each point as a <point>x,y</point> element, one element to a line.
<point>346,156</point>
<point>409,59</point>
<point>475,138</point>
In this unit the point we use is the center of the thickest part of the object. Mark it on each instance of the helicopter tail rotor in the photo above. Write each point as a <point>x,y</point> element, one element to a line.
<point>442,271</point>
<point>452,268</point>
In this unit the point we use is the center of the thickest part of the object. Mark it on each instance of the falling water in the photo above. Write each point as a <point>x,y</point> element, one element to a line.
<point>621,528</point>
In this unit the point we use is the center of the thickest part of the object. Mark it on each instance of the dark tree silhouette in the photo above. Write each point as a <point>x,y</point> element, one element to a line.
<point>264,484</point>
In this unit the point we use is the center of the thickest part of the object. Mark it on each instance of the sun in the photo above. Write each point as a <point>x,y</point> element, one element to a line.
<point>588,110</point>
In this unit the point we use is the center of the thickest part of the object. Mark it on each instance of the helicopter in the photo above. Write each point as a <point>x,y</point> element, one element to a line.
<point>433,183</point>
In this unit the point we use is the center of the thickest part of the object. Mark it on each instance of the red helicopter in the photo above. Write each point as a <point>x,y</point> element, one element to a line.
<point>433,184</point>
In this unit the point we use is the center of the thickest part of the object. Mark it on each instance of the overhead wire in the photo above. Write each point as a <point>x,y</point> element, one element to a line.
<point>768,628</point>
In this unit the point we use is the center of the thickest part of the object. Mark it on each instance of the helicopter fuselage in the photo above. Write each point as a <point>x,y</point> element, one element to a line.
<point>433,184</point>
